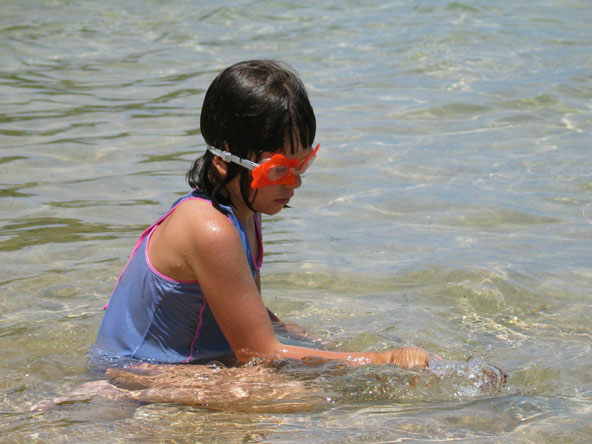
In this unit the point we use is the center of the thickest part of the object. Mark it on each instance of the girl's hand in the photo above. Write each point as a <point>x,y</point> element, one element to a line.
<point>407,357</point>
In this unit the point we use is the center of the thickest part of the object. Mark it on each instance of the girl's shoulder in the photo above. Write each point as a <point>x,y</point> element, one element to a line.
<point>197,221</point>
<point>198,212</point>
<point>193,232</point>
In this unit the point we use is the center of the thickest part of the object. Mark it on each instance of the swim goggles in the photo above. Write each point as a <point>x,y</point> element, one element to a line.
<point>277,170</point>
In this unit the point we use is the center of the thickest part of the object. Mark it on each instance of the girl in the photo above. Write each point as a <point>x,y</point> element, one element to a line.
<point>191,292</point>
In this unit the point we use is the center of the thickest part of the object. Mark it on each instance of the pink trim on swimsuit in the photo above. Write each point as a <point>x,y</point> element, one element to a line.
<point>146,232</point>
<point>203,307</point>
<point>258,262</point>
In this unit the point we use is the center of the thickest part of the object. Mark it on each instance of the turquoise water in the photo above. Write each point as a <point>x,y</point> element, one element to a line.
<point>450,207</point>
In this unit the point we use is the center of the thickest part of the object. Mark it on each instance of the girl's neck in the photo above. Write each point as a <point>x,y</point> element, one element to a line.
<point>244,215</point>
<point>241,210</point>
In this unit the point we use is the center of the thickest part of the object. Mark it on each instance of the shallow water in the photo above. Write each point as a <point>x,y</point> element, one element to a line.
<point>450,207</point>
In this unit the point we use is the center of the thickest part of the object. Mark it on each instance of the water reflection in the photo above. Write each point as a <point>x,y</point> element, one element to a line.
<point>289,386</point>
<point>40,230</point>
<point>14,191</point>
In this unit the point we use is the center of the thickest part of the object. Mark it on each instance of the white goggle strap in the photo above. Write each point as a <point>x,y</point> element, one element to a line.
<point>227,156</point>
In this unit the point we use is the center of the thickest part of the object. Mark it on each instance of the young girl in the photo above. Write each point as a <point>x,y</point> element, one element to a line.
<point>191,291</point>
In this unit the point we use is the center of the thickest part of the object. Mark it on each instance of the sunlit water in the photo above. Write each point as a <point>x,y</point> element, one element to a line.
<point>450,207</point>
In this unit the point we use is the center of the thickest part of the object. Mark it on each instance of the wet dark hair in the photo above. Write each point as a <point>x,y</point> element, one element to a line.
<point>251,107</point>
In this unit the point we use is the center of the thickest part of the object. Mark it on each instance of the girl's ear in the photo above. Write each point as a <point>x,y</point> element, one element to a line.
<point>220,167</point>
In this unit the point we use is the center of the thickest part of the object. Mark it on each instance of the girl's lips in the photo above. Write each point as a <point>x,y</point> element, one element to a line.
<point>283,201</point>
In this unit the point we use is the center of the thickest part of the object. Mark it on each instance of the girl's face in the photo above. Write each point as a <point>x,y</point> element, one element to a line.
<point>270,199</point>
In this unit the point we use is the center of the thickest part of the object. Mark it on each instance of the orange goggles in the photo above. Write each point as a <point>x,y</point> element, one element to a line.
<point>277,170</point>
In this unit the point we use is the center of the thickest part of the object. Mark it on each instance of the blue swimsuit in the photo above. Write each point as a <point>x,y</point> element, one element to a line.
<point>153,317</point>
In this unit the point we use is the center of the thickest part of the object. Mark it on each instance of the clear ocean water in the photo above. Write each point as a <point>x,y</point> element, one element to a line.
<point>450,207</point>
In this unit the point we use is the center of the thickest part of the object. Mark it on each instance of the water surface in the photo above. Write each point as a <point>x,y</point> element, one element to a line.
<point>450,207</point>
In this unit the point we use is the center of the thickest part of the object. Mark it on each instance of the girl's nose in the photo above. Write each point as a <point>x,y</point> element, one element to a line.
<point>297,183</point>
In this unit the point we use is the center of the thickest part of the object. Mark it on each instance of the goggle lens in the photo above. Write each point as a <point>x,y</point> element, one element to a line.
<point>308,162</point>
<point>277,172</point>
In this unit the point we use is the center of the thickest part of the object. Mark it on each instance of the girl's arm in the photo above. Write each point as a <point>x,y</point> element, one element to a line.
<point>218,261</point>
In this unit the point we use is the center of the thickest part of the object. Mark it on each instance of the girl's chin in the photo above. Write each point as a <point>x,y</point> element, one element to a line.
<point>272,210</point>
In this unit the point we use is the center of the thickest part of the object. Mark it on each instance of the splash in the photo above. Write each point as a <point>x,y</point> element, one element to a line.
<point>472,378</point>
